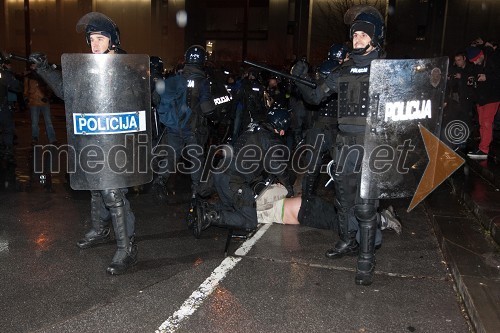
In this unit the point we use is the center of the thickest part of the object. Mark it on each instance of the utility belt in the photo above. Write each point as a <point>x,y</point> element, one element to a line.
<point>326,119</point>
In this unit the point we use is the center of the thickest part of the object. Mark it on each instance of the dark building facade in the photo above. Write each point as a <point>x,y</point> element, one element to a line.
<point>269,31</point>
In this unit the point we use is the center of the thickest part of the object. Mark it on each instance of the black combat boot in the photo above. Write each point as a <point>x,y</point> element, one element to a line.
<point>366,259</point>
<point>126,254</point>
<point>94,237</point>
<point>201,216</point>
<point>100,232</point>
<point>159,189</point>
<point>347,244</point>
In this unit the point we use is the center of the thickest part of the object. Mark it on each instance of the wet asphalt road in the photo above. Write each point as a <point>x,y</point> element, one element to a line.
<point>282,284</point>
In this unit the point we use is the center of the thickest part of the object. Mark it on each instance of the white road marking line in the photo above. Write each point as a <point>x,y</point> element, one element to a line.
<point>208,286</point>
<point>247,245</point>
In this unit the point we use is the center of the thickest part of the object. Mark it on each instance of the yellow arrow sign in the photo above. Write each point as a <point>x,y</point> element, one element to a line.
<point>443,162</point>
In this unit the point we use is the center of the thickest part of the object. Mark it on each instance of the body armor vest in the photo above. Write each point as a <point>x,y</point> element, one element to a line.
<point>329,108</point>
<point>353,96</point>
<point>326,115</point>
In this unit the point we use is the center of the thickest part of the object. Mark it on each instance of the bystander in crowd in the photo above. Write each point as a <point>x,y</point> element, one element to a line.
<point>38,95</point>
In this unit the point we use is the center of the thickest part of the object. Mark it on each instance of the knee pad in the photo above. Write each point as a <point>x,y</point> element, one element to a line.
<point>366,213</point>
<point>113,198</point>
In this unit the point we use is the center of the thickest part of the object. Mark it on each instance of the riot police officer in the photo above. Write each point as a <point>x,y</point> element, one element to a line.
<point>322,134</point>
<point>275,93</point>
<point>103,37</point>
<point>359,229</point>
<point>185,104</point>
<point>249,100</point>
<point>220,123</point>
<point>236,207</point>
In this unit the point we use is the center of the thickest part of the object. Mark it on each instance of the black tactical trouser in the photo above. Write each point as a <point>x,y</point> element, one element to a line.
<point>237,204</point>
<point>354,213</point>
<point>171,151</point>
<point>315,212</point>
<point>322,138</point>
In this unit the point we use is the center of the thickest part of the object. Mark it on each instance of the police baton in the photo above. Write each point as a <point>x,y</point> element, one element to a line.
<point>288,76</point>
<point>21,58</point>
<point>18,57</point>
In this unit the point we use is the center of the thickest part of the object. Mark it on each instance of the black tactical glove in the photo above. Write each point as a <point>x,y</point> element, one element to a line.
<point>331,82</point>
<point>290,192</point>
<point>40,60</point>
<point>300,68</point>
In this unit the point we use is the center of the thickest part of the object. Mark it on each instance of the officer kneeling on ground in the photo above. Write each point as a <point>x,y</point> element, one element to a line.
<point>258,150</point>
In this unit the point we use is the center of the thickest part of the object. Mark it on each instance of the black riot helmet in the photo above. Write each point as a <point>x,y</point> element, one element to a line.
<point>327,66</point>
<point>95,22</point>
<point>338,52</point>
<point>195,55</point>
<point>156,66</point>
<point>369,20</point>
<point>279,118</point>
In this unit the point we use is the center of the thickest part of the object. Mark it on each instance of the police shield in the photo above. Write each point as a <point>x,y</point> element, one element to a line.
<point>107,101</point>
<point>403,95</point>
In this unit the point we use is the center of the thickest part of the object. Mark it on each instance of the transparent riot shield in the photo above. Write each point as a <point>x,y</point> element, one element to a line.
<point>403,94</point>
<point>108,105</point>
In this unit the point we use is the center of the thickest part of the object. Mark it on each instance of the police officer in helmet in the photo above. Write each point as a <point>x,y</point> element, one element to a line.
<point>186,103</point>
<point>107,205</point>
<point>236,206</point>
<point>338,52</point>
<point>359,219</point>
<point>249,100</point>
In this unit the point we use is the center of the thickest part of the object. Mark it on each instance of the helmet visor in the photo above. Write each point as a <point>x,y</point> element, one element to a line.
<point>97,22</point>
<point>355,10</point>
